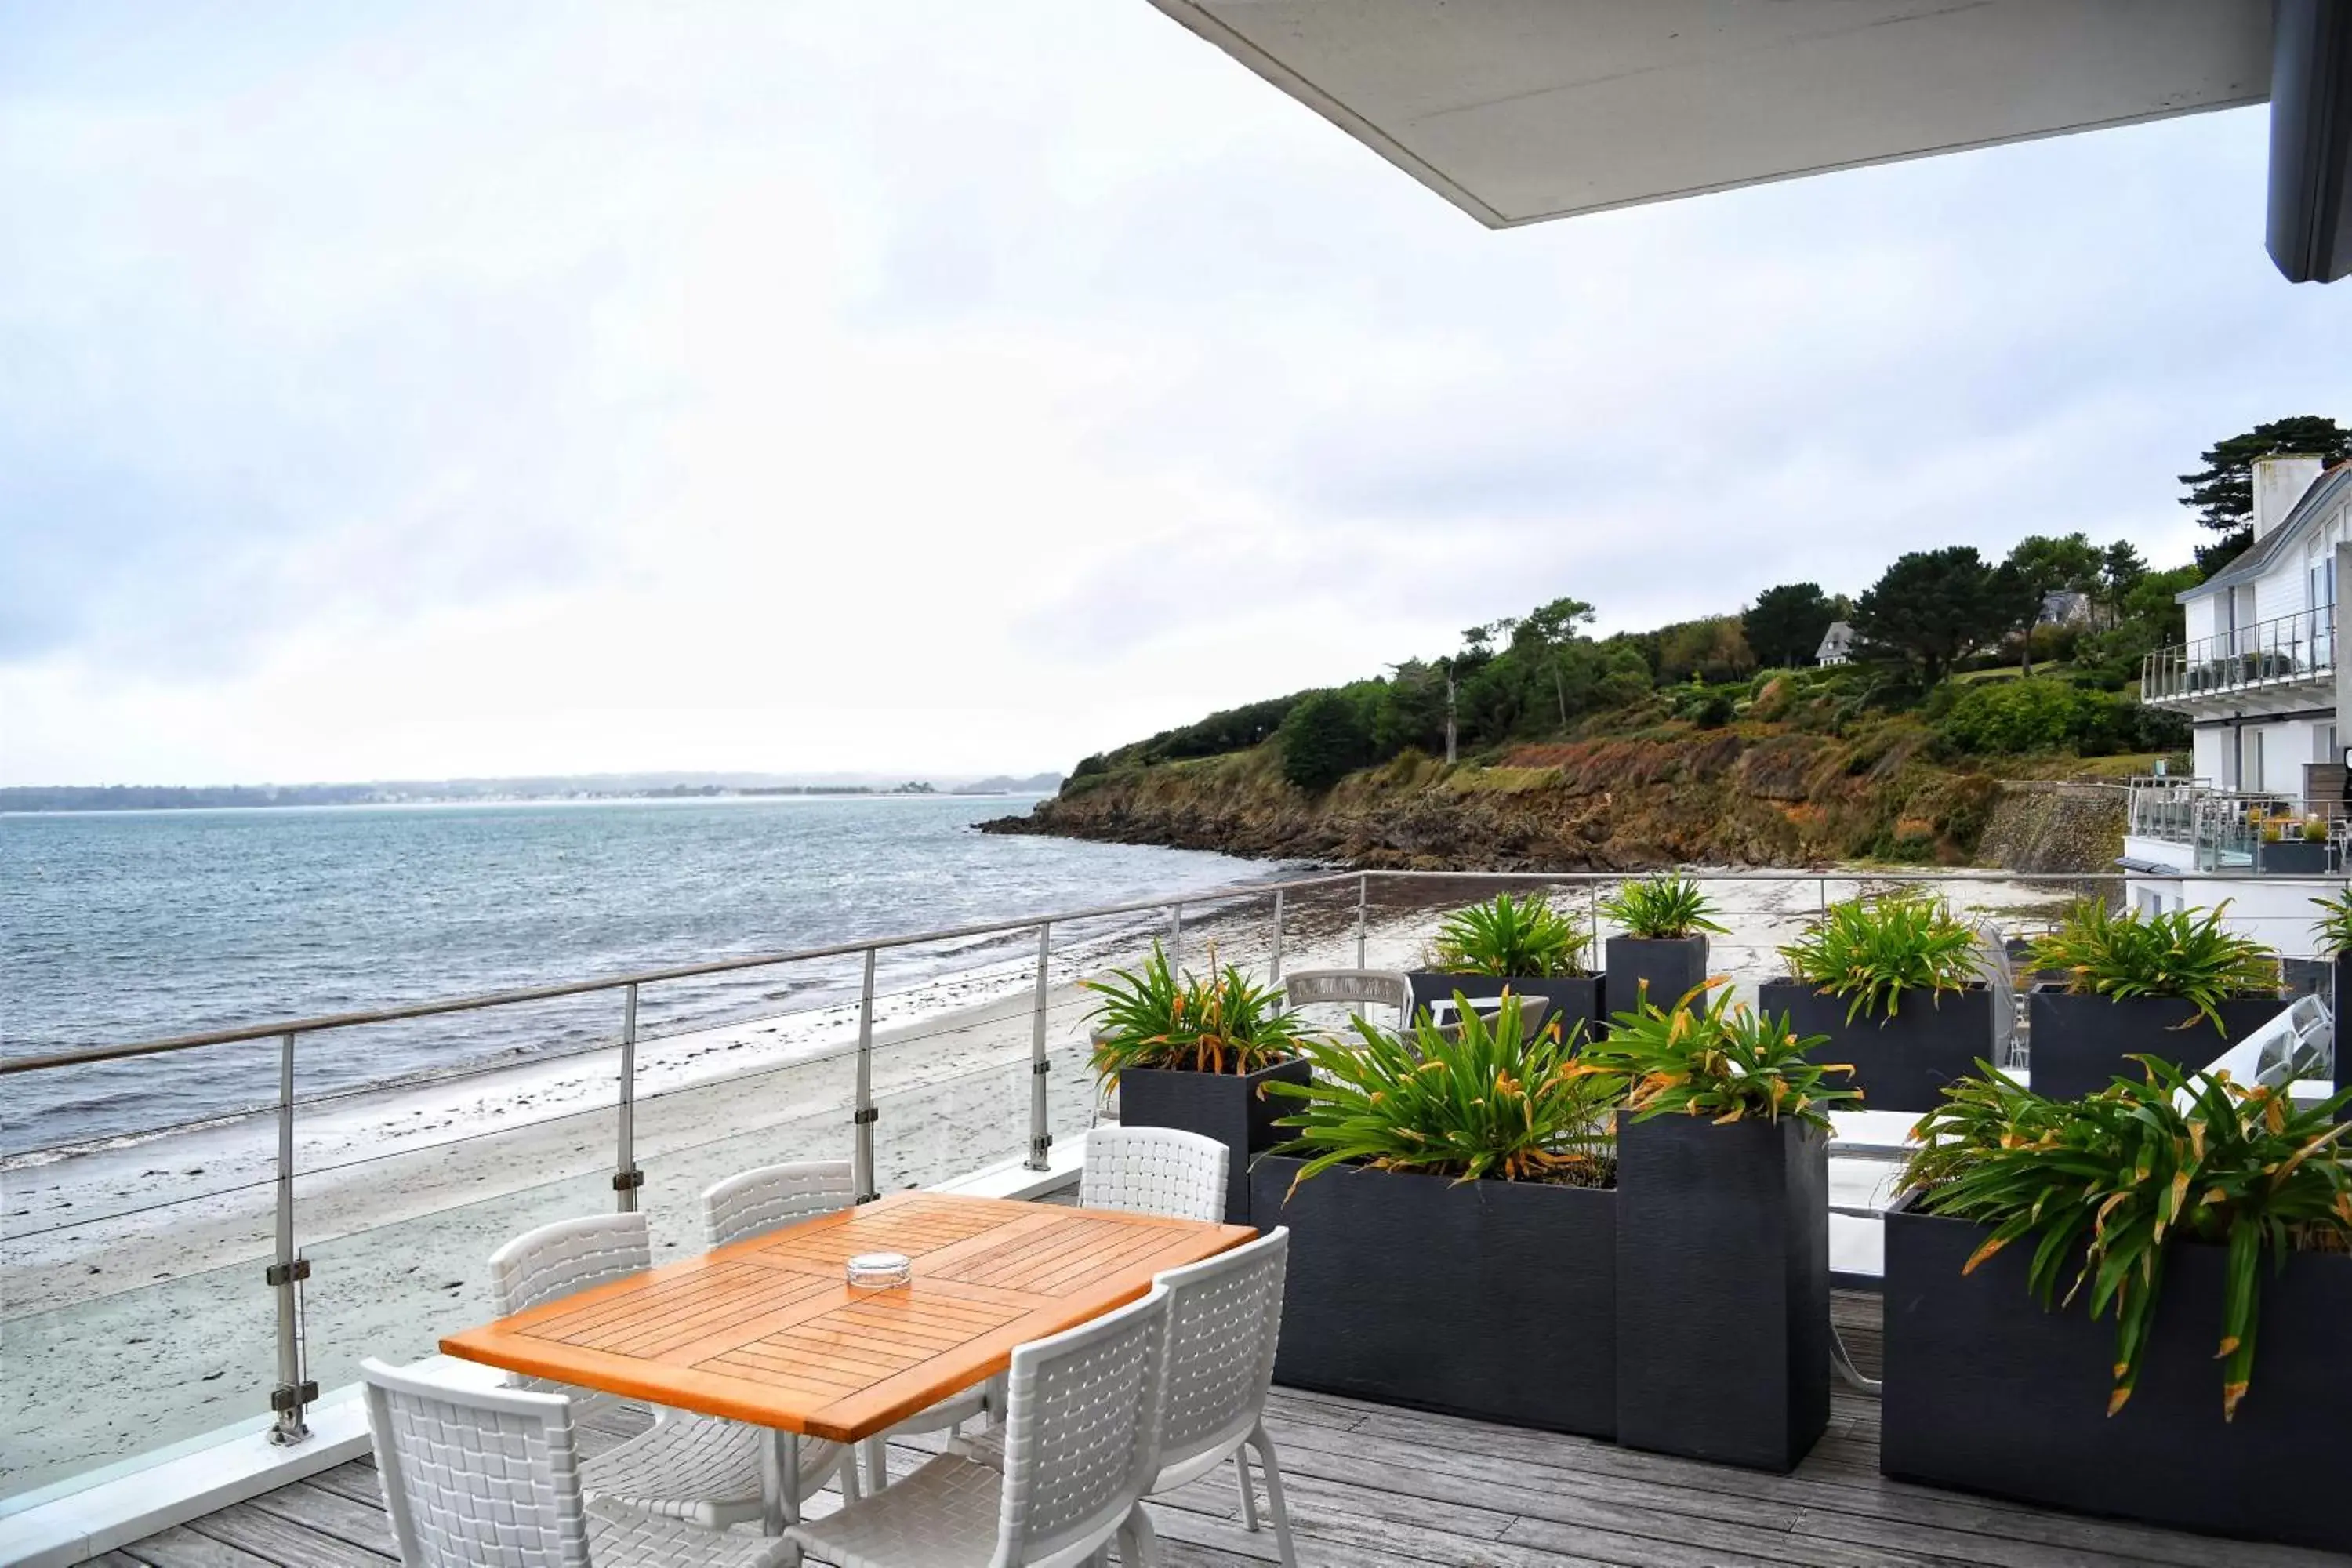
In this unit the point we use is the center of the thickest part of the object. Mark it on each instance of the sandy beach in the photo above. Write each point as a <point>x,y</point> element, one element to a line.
<point>132,1312</point>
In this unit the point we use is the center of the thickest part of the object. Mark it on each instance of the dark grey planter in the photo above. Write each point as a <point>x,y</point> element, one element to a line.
<point>1989,1392</point>
<point>1901,1062</point>
<point>1574,998</point>
<point>1222,1106</point>
<point>2335,1008</point>
<point>1495,1300</point>
<point>2080,1042</point>
<point>2294,857</point>
<point>1670,970</point>
<point>1722,1290</point>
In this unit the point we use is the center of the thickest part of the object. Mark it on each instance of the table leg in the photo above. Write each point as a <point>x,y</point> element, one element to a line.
<point>771,1484</point>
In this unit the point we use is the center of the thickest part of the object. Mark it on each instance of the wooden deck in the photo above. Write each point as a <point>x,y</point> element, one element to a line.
<point>1373,1487</point>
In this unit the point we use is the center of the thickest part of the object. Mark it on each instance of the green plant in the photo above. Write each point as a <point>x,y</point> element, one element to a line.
<point>1507,936</point>
<point>1664,908</point>
<point>1872,950</point>
<point>2315,830</point>
<point>2274,833</point>
<point>1226,1023</point>
<point>2105,1185</point>
<point>2334,926</point>
<point>1486,1101</point>
<point>1325,737</point>
<point>2182,953</point>
<point>1725,1061</point>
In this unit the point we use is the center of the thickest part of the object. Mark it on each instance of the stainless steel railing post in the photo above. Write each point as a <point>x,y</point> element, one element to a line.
<point>1041,1130</point>
<point>294,1393</point>
<point>627,1177</point>
<point>1273,966</point>
<point>862,1120</point>
<point>1364,896</point>
<point>1175,938</point>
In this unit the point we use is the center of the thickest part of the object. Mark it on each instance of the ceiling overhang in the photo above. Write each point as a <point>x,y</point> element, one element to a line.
<point>1522,111</point>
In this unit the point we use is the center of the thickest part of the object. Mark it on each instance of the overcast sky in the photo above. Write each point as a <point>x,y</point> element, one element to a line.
<point>413,391</point>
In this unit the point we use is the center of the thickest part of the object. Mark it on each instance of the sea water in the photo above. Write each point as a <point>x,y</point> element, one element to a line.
<point>121,926</point>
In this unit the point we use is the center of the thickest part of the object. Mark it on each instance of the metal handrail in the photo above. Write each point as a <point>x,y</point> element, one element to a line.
<point>2298,645</point>
<point>288,1269</point>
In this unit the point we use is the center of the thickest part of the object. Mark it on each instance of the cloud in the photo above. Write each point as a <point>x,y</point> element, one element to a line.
<point>410,391</point>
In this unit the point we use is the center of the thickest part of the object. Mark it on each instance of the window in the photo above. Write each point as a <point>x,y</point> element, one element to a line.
<point>2323,743</point>
<point>2254,784</point>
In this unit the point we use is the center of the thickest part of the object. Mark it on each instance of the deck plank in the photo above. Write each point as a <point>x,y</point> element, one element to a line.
<point>180,1547</point>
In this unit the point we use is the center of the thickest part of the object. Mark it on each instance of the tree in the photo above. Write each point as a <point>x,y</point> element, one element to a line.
<point>1545,635</point>
<point>2039,566</point>
<point>2223,493</point>
<point>1325,738</point>
<point>1933,607</point>
<point>2121,569</point>
<point>1784,625</point>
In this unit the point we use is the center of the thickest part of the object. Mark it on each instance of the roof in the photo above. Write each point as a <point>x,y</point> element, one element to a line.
<point>2259,558</point>
<point>1520,111</point>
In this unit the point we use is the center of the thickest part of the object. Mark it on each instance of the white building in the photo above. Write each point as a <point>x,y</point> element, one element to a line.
<point>2257,678</point>
<point>1837,645</point>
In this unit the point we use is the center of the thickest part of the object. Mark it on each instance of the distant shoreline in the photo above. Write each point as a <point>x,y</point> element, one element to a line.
<point>98,801</point>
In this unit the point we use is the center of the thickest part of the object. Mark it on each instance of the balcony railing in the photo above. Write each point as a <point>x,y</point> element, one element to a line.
<point>2293,647</point>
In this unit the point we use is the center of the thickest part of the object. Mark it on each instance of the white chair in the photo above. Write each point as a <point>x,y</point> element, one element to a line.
<point>1224,1318</point>
<point>1080,1441</point>
<point>1382,987</point>
<point>1154,1170</point>
<point>698,1468</point>
<point>773,1196</point>
<point>491,1478</point>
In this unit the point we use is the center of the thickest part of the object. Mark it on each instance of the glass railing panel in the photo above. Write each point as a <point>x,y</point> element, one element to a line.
<point>125,1335</point>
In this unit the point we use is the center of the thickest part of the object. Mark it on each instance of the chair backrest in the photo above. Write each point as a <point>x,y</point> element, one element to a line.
<point>475,1478</point>
<point>1224,1318</point>
<point>566,1257</point>
<point>1387,987</point>
<point>773,1196</point>
<point>1081,1430</point>
<point>1154,1170</point>
<point>1532,1012</point>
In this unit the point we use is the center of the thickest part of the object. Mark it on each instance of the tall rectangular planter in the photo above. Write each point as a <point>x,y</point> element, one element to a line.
<point>1901,1062</point>
<point>2079,1043</point>
<point>1228,1108</point>
<point>1723,1289</point>
<point>1989,1392</point>
<point>1574,998</point>
<point>1495,1300</point>
<point>2294,857</point>
<point>1670,971</point>
<point>2343,994</point>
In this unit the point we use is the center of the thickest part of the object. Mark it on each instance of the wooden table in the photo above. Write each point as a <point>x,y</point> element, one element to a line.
<point>768,1332</point>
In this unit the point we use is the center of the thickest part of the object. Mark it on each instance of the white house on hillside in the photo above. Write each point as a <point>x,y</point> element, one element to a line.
<point>2257,678</point>
<point>1837,645</point>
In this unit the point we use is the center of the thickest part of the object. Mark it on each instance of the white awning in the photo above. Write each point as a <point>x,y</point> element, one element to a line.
<point>1520,111</point>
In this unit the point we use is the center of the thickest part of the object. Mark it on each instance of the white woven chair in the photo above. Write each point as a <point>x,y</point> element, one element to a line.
<point>1224,1318</point>
<point>1154,1170</point>
<point>1080,1442</point>
<point>773,1196</point>
<point>1381,987</point>
<point>491,1478</point>
<point>698,1468</point>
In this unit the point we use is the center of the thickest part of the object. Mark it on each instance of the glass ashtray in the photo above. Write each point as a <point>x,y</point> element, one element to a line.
<point>880,1270</point>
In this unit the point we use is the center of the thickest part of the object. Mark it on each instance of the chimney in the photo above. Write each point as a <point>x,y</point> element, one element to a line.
<point>2279,483</point>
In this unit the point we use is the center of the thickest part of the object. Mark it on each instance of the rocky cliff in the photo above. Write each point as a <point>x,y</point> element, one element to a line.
<point>1712,797</point>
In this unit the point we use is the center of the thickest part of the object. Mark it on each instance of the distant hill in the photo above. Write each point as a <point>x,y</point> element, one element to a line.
<point>1035,783</point>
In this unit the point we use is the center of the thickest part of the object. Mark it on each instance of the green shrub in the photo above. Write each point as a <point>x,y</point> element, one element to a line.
<point>2017,716</point>
<point>1507,936</point>
<point>1725,1062</point>
<point>2334,927</point>
<point>1324,739</point>
<point>1664,908</point>
<point>1153,1018</point>
<point>2102,1184</point>
<point>2189,955</point>
<point>1872,950</point>
<point>1485,1102</point>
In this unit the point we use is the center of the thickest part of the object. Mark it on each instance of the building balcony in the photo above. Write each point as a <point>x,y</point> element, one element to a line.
<point>2291,658</point>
